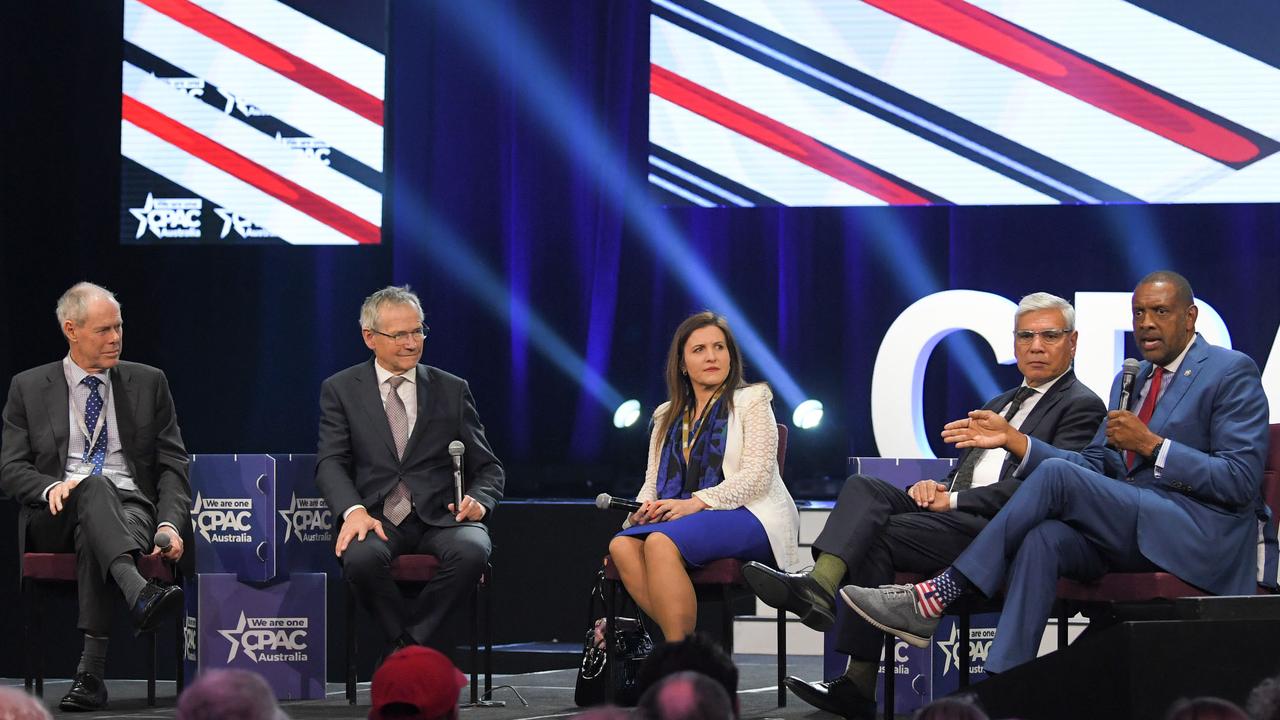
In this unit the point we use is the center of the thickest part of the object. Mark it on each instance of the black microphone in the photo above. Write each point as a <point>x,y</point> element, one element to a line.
<point>456,448</point>
<point>605,501</point>
<point>1127,375</point>
<point>162,541</point>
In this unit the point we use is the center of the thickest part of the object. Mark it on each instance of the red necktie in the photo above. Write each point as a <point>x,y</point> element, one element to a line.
<point>1148,407</point>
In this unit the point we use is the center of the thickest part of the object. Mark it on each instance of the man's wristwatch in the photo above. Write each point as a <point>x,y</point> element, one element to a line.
<point>1155,452</point>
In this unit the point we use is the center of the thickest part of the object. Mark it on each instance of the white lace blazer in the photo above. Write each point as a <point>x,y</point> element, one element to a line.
<point>751,473</point>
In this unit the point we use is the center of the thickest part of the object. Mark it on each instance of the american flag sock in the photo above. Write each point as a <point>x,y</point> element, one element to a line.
<point>933,596</point>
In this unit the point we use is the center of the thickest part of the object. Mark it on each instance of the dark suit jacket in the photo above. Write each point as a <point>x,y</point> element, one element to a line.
<point>356,462</point>
<point>37,431</point>
<point>1198,520</point>
<point>1067,417</point>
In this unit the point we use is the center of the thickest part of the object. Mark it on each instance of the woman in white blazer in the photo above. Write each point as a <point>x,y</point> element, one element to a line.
<point>712,487</point>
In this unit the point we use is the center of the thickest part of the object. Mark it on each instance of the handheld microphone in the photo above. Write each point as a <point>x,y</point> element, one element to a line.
<point>1127,375</point>
<point>456,448</point>
<point>162,541</point>
<point>605,501</point>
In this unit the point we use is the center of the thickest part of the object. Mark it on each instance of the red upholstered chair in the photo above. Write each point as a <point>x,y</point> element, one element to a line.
<point>719,577</point>
<point>410,571</point>
<point>41,569</point>
<point>1114,588</point>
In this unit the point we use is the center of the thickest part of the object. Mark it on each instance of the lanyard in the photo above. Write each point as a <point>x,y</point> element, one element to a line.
<point>99,425</point>
<point>686,442</point>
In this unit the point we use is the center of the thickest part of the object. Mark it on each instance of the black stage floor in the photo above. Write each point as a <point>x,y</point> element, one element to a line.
<point>549,694</point>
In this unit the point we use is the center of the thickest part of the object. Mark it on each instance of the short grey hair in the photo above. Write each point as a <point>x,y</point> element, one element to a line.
<point>74,303</point>
<point>390,295</point>
<point>1047,301</point>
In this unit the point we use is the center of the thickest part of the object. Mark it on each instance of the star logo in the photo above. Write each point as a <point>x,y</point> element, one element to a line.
<point>288,519</point>
<point>950,650</point>
<point>233,637</point>
<point>141,215</point>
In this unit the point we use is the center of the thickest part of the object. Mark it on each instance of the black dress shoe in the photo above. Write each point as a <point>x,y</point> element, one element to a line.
<point>87,692</point>
<point>154,602</point>
<point>794,592</point>
<point>839,696</point>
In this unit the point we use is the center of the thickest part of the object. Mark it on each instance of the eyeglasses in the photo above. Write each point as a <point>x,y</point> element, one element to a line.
<point>417,333</point>
<point>1052,336</point>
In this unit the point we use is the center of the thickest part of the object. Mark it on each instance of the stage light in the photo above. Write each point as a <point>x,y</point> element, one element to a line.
<point>808,414</point>
<point>627,414</point>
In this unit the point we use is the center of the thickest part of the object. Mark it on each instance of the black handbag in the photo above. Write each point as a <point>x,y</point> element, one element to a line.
<point>631,647</point>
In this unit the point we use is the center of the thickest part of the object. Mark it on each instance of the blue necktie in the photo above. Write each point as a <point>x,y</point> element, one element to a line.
<point>92,409</point>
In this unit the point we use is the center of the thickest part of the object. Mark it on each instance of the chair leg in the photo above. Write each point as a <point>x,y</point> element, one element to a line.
<point>28,609</point>
<point>475,642</point>
<point>726,626</point>
<point>963,654</point>
<point>488,633</point>
<point>610,649</point>
<point>349,654</point>
<point>1062,625</point>
<point>152,646</point>
<point>782,657</point>
<point>890,674</point>
<point>180,644</point>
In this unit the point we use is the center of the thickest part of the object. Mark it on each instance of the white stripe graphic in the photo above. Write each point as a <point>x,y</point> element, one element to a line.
<point>1144,45</point>
<point>727,153</point>
<point>704,184</point>
<point>225,190</point>
<point>864,136</point>
<point>291,164</point>
<point>292,103</point>
<point>307,38</point>
<point>984,92</point>
<point>679,191</point>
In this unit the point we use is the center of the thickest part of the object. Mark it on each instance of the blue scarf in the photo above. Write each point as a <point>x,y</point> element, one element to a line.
<point>679,478</point>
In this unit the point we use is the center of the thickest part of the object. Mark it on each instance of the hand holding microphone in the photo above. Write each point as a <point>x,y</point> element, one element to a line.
<point>168,544</point>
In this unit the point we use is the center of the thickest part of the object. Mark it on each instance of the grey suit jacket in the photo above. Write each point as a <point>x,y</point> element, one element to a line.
<point>356,462</point>
<point>36,435</point>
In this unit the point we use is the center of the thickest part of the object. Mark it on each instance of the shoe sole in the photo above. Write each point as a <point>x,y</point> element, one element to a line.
<point>812,697</point>
<point>910,638</point>
<point>775,593</point>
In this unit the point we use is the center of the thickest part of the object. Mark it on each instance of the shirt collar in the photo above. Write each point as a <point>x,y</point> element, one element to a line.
<point>76,374</point>
<point>1045,387</point>
<point>383,374</point>
<point>1172,368</point>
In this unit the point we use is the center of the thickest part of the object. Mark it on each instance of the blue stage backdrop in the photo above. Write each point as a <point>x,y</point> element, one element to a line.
<point>518,207</point>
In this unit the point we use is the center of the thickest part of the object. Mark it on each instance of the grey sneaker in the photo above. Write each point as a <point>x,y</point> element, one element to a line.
<point>892,608</point>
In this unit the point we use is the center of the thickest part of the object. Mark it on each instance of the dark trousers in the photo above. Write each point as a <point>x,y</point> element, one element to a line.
<point>1065,520</point>
<point>99,523</point>
<point>463,552</point>
<point>878,530</point>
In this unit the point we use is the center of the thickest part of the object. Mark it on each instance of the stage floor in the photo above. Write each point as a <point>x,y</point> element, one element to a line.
<point>549,694</point>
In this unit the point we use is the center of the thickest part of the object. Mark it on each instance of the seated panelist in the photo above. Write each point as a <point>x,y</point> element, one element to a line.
<point>712,486</point>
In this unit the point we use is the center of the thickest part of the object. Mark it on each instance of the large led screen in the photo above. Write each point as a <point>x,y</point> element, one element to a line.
<point>252,121</point>
<point>918,102</point>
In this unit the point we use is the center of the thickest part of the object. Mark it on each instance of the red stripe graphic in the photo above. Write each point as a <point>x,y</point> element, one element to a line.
<point>269,55</point>
<point>1010,45</point>
<point>266,180</point>
<point>773,134</point>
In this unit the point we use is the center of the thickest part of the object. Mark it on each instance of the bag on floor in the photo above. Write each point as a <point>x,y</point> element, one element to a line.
<point>602,665</point>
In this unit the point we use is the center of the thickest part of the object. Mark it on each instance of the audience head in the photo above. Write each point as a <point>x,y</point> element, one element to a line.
<point>697,653</point>
<point>416,683</point>
<point>686,696</point>
<point>1044,331</point>
<point>221,694</point>
<point>1164,316</point>
<point>1205,708</point>
<point>701,336</point>
<point>1264,700</point>
<point>960,707</point>
<point>18,705</point>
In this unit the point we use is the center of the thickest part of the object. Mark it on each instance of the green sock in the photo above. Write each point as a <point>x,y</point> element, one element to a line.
<point>828,571</point>
<point>863,674</point>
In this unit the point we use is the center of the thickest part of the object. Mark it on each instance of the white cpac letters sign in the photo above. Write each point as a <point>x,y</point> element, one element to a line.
<point>1102,318</point>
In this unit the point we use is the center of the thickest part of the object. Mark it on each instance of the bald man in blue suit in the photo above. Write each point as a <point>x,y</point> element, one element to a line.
<point>1172,482</point>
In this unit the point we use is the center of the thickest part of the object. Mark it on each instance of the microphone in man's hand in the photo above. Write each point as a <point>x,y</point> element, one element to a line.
<point>605,501</point>
<point>162,541</point>
<point>456,449</point>
<point>1127,375</point>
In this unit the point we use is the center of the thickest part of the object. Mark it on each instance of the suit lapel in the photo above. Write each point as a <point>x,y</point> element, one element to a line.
<point>1046,403</point>
<point>994,406</point>
<point>125,397</point>
<point>421,384</point>
<point>57,405</point>
<point>1180,383</point>
<point>370,398</point>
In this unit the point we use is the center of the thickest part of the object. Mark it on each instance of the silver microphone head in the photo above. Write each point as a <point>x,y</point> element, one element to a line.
<point>1130,366</point>
<point>603,500</point>
<point>456,448</point>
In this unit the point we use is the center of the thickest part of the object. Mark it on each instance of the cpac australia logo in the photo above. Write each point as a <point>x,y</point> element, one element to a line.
<point>225,520</point>
<point>168,217</point>
<point>268,639</point>
<point>979,645</point>
<point>191,638</point>
<point>309,146</point>
<point>308,519</point>
<point>246,228</point>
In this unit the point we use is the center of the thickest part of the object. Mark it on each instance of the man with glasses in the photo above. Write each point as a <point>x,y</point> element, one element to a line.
<point>384,467</point>
<point>876,529</point>
<point>1171,481</point>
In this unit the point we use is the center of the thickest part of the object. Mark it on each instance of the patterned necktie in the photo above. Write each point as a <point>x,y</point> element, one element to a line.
<point>1147,410</point>
<point>397,504</point>
<point>964,476</point>
<point>92,410</point>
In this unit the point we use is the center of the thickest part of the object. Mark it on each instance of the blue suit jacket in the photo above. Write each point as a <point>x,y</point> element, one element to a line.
<point>1198,519</point>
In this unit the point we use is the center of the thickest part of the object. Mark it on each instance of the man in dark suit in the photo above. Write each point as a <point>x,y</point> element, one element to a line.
<point>93,453</point>
<point>876,529</point>
<point>1171,481</point>
<point>384,467</point>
